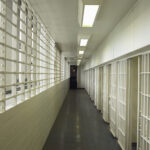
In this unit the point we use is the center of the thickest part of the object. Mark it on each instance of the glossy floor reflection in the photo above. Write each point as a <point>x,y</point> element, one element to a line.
<point>79,126</point>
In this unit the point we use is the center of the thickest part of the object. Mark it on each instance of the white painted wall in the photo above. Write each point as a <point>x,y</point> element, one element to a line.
<point>131,33</point>
<point>26,126</point>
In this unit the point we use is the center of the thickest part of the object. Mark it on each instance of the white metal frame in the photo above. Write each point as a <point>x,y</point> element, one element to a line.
<point>100,100</point>
<point>144,103</point>
<point>29,60</point>
<point>119,102</point>
<point>113,98</point>
<point>96,86</point>
<point>122,101</point>
<point>106,93</point>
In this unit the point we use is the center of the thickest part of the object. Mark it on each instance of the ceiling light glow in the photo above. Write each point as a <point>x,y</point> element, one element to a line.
<point>90,12</point>
<point>78,62</point>
<point>81,52</point>
<point>83,42</point>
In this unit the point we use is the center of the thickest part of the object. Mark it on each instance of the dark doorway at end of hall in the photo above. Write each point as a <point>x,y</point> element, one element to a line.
<point>73,77</point>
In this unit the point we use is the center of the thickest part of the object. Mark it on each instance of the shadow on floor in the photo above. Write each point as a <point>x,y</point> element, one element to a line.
<point>79,126</point>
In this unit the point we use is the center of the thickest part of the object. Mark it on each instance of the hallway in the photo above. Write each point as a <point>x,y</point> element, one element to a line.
<point>79,126</point>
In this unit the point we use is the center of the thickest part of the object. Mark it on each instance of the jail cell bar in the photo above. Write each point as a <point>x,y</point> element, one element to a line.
<point>29,60</point>
<point>144,103</point>
<point>91,84</point>
<point>100,101</point>
<point>115,93</point>
<point>113,98</point>
<point>122,103</point>
<point>97,88</point>
<point>87,81</point>
<point>106,93</point>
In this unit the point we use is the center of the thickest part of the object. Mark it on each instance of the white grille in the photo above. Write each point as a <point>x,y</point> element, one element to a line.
<point>96,86</point>
<point>122,103</point>
<point>100,100</point>
<point>113,98</point>
<point>106,92</point>
<point>91,93</point>
<point>144,103</point>
<point>115,94</point>
<point>29,61</point>
<point>87,81</point>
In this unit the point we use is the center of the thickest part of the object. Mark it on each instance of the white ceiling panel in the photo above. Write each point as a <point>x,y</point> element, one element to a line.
<point>61,18</point>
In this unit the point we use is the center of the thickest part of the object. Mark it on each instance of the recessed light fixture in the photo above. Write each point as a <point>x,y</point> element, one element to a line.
<point>78,62</point>
<point>83,42</point>
<point>81,52</point>
<point>89,15</point>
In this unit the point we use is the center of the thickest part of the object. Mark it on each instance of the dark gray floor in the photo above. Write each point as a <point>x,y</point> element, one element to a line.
<point>79,126</point>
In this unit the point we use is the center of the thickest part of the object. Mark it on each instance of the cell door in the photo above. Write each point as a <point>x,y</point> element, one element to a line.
<point>122,103</point>
<point>100,100</point>
<point>88,81</point>
<point>91,84</point>
<point>105,92</point>
<point>113,98</point>
<point>96,86</point>
<point>144,103</point>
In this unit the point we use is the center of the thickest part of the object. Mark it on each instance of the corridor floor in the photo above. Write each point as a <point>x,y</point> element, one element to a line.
<point>79,126</point>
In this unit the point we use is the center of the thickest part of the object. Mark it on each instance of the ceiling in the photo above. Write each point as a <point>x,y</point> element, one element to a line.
<point>61,19</point>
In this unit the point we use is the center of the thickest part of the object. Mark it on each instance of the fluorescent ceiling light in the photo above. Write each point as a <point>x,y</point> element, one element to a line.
<point>83,42</point>
<point>78,62</point>
<point>81,52</point>
<point>89,15</point>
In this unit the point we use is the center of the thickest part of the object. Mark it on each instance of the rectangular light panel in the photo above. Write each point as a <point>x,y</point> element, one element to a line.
<point>81,52</point>
<point>89,15</point>
<point>83,42</point>
<point>78,62</point>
